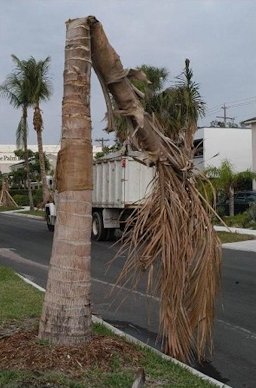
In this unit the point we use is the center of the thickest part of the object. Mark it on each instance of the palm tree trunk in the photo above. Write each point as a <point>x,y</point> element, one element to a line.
<point>38,128</point>
<point>25,144</point>
<point>109,68</point>
<point>66,315</point>
<point>231,202</point>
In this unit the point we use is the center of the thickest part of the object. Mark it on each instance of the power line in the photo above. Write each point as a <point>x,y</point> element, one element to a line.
<point>102,141</point>
<point>225,117</point>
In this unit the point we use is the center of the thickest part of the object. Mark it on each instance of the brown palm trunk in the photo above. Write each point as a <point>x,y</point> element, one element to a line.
<point>109,68</point>
<point>38,122</point>
<point>231,202</point>
<point>25,144</point>
<point>66,315</point>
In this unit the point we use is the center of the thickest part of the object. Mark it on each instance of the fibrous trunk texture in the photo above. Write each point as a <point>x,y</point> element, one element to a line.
<point>38,126</point>
<point>27,169</point>
<point>171,237</point>
<point>66,316</point>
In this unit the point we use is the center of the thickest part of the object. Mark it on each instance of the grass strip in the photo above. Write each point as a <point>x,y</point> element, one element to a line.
<point>229,237</point>
<point>20,301</point>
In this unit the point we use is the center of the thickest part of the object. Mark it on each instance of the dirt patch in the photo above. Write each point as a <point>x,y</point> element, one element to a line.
<point>22,350</point>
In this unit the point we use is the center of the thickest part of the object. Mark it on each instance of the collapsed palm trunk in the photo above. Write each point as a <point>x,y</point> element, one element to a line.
<point>172,237</point>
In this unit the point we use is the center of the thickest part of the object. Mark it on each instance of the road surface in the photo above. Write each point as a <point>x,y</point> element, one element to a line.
<point>25,245</point>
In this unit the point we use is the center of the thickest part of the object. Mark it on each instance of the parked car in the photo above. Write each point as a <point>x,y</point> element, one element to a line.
<point>242,201</point>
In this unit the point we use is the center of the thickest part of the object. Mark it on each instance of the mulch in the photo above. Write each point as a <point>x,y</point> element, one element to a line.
<point>21,350</point>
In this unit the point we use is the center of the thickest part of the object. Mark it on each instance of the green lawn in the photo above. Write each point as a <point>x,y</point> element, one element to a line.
<point>20,302</point>
<point>5,208</point>
<point>228,237</point>
<point>40,213</point>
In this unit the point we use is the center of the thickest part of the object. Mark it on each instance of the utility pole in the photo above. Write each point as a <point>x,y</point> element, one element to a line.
<point>225,117</point>
<point>102,141</point>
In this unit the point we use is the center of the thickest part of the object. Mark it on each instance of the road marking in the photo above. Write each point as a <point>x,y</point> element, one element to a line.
<point>237,328</point>
<point>113,286</point>
<point>10,254</point>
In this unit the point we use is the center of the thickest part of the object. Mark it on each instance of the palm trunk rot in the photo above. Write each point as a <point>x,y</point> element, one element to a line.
<point>37,120</point>
<point>66,315</point>
<point>25,144</point>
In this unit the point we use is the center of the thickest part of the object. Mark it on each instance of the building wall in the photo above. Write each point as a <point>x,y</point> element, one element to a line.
<point>233,144</point>
<point>8,158</point>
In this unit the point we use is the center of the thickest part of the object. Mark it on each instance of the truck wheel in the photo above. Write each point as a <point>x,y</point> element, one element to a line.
<point>49,225</point>
<point>99,233</point>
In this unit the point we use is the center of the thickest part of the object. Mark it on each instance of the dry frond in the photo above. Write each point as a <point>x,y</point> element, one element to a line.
<point>173,239</point>
<point>170,236</point>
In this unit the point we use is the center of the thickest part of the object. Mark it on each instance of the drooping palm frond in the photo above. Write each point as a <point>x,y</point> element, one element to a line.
<point>171,235</point>
<point>171,238</point>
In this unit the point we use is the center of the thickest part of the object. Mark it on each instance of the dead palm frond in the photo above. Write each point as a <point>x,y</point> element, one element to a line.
<point>171,237</point>
<point>173,240</point>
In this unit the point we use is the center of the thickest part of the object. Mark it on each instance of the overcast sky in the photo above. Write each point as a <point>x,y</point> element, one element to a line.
<point>218,36</point>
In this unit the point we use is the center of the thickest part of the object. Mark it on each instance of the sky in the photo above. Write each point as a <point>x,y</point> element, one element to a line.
<point>218,36</point>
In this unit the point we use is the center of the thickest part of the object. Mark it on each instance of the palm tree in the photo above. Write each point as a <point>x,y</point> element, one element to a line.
<point>225,180</point>
<point>17,90</point>
<point>66,315</point>
<point>172,237</point>
<point>40,90</point>
<point>177,108</point>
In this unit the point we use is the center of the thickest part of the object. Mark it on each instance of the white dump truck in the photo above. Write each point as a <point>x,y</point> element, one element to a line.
<point>120,182</point>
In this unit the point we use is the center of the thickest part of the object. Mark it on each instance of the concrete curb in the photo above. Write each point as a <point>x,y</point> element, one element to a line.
<point>235,230</point>
<point>134,340</point>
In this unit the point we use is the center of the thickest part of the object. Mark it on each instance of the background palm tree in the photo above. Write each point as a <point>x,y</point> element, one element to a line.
<point>36,74</point>
<point>177,108</point>
<point>225,180</point>
<point>17,90</point>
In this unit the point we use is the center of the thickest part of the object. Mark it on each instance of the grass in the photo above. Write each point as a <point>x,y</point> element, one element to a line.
<point>39,213</point>
<point>228,237</point>
<point>8,208</point>
<point>20,301</point>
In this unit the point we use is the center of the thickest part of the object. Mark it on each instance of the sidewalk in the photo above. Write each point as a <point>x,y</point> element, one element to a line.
<point>248,246</point>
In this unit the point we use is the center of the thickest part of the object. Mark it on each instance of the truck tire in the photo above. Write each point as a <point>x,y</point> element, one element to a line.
<point>99,233</point>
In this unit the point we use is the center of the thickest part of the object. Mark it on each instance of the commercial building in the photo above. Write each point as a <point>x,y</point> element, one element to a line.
<point>214,145</point>
<point>8,157</point>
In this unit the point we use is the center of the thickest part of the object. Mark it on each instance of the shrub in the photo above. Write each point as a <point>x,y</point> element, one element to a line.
<point>38,197</point>
<point>240,220</point>
<point>21,199</point>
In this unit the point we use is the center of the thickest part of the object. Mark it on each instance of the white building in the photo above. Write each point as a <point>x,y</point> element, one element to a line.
<point>214,145</point>
<point>8,157</point>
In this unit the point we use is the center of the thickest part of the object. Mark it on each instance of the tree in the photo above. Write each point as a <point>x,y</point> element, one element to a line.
<point>40,90</point>
<point>66,315</point>
<point>18,175</point>
<point>16,89</point>
<point>177,108</point>
<point>225,180</point>
<point>172,238</point>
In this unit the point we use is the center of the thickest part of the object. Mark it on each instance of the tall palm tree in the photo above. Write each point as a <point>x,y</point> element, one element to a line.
<point>66,315</point>
<point>40,90</point>
<point>17,90</point>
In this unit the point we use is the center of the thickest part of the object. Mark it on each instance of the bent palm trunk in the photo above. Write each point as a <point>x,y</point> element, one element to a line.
<point>66,316</point>
<point>171,236</point>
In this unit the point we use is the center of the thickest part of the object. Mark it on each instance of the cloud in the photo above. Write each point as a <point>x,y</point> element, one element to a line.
<point>217,36</point>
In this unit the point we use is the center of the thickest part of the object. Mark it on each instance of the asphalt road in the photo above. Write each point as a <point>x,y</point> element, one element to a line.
<point>25,245</point>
